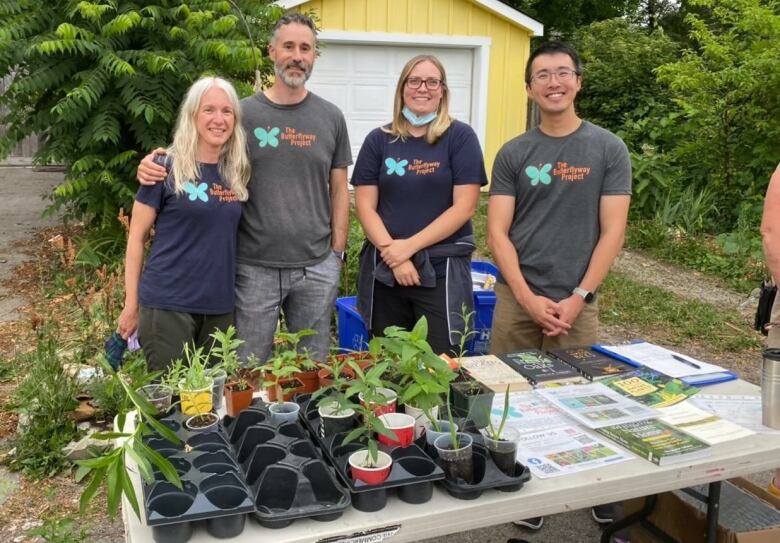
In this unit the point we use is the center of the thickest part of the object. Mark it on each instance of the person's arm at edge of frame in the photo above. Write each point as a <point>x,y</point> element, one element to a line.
<point>613,216</point>
<point>142,219</point>
<point>149,172</point>
<point>501,209</point>
<point>464,204</point>
<point>366,202</point>
<point>339,209</point>
<point>770,225</point>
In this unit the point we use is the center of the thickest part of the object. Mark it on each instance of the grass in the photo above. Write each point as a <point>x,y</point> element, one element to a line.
<point>671,319</point>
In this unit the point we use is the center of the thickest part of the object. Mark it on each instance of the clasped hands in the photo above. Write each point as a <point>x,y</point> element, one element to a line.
<point>555,318</point>
<point>397,255</point>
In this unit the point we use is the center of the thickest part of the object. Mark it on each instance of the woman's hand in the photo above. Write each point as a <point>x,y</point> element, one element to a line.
<point>406,274</point>
<point>128,321</point>
<point>149,172</point>
<point>397,252</point>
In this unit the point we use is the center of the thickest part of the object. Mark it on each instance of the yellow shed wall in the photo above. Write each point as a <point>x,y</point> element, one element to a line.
<point>509,48</point>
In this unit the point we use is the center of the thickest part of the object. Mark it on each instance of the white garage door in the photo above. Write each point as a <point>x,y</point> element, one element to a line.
<point>360,79</point>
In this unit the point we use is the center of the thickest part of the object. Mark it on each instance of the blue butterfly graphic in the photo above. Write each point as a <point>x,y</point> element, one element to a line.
<point>394,167</point>
<point>539,175</point>
<point>196,193</point>
<point>269,137</point>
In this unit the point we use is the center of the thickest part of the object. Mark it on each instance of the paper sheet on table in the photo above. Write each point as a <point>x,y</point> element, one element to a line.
<point>560,451</point>
<point>739,409</point>
<point>528,412</point>
<point>702,424</point>
<point>661,359</point>
<point>596,405</point>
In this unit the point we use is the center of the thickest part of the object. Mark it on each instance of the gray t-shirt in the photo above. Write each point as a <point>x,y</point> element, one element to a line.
<point>557,184</point>
<point>292,148</point>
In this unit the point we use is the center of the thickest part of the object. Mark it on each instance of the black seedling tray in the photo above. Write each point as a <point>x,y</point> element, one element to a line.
<point>286,474</point>
<point>486,474</point>
<point>213,485</point>
<point>412,474</point>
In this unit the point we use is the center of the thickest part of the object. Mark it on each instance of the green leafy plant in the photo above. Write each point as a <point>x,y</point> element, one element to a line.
<point>109,468</point>
<point>60,530</point>
<point>100,82</point>
<point>334,395</point>
<point>42,399</point>
<point>367,383</point>
<point>286,360</point>
<point>496,431</point>
<point>372,424</point>
<point>225,352</point>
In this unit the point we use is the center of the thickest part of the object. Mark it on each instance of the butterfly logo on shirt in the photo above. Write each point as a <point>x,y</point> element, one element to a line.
<point>539,175</point>
<point>196,193</point>
<point>268,137</point>
<point>396,167</point>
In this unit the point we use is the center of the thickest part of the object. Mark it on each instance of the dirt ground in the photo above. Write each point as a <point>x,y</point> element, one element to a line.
<point>24,504</point>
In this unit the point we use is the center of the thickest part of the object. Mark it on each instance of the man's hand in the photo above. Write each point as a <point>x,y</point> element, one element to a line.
<point>546,314</point>
<point>570,308</point>
<point>396,252</point>
<point>149,172</point>
<point>406,274</point>
<point>128,322</point>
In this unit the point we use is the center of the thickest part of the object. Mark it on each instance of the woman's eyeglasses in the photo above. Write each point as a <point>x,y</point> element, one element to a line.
<point>431,83</point>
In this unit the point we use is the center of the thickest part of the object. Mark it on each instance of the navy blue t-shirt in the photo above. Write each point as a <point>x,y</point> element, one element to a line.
<point>192,264</point>
<point>416,179</point>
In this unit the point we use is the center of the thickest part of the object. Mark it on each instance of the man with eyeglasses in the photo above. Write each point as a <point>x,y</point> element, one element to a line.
<point>557,215</point>
<point>293,231</point>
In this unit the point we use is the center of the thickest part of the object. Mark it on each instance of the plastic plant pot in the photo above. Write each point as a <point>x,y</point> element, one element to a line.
<point>309,380</point>
<point>325,375</point>
<point>457,463</point>
<point>401,425</point>
<point>472,400</point>
<point>388,406</point>
<point>217,388</point>
<point>371,474</point>
<point>205,422</point>
<point>159,396</point>
<point>237,400</point>
<point>194,402</point>
<point>503,451</point>
<point>431,434</point>
<point>180,532</point>
<point>420,418</point>
<point>290,387</point>
<point>284,412</point>
<point>333,422</point>
<point>226,527</point>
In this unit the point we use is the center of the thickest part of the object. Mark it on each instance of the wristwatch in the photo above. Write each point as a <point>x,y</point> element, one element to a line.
<point>586,294</point>
<point>341,254</point>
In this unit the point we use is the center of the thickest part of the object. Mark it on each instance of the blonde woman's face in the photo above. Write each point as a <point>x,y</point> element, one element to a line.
<point>216,119</point>
<point>423,100</point>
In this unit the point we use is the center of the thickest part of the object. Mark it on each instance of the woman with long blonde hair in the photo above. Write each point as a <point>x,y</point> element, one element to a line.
<point>186,288</point>
<point>417,183</point>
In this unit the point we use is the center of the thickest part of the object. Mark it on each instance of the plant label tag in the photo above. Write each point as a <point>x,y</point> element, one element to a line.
<point>369,536</point>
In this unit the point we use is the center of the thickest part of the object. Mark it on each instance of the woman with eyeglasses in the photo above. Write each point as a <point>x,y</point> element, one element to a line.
<point>417,184</point>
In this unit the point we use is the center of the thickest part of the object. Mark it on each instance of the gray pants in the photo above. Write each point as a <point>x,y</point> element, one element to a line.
<point>305,295</point>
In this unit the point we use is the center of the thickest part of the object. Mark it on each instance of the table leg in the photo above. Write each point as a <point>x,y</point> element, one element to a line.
<point>713,508</point>
<point>615,527</point>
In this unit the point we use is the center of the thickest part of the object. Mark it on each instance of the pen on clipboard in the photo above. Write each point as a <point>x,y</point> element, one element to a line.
<point>686,361</point>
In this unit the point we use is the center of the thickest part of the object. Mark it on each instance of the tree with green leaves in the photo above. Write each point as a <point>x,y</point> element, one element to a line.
<point>727,88</point>
<point>561,18</point>
<point>100,82</point>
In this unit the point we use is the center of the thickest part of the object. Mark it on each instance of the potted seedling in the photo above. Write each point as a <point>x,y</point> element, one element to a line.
<point>502,441</point>
<point>369,465</point>
<point>336,410</point>
<point>195,387</point>
<point>371,388</point>
<point>455,452</point>
<point>468,396</point>
<point>306,375</point>
<point>279,372</point>
<point>338,367</point>
<point>238,391</point>
<point>422,377</point>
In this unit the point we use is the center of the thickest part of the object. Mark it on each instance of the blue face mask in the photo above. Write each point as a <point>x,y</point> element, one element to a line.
<point>414,120</point>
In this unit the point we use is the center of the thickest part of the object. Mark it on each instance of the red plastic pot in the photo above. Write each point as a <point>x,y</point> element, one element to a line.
<point>401,425</point>
<point>381,409</point>
<point>372,475</point>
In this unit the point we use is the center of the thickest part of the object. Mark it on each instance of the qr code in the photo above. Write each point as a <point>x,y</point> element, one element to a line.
<point>547,468</point>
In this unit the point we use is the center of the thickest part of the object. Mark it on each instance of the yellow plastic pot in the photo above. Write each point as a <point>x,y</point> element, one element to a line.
<point>196,402</point>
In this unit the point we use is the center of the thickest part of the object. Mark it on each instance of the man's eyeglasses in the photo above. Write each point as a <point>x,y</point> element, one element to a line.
<point>430,83</point>
<point>563,74</point>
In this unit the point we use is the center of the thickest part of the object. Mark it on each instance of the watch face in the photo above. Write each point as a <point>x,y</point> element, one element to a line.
<point>588,297</point>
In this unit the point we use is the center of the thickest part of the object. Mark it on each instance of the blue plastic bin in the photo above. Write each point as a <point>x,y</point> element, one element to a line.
<point>353,335</point>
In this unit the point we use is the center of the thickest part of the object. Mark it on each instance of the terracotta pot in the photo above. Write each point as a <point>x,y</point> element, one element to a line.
<point>253,376</point>
<point>364,359</point>
<point>290,386</point>
<point>325,375</point>
<point>237,400</point>
<point>310,382</point>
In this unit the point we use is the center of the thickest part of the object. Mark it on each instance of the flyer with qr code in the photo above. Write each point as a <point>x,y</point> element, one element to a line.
<point>561,451</point>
